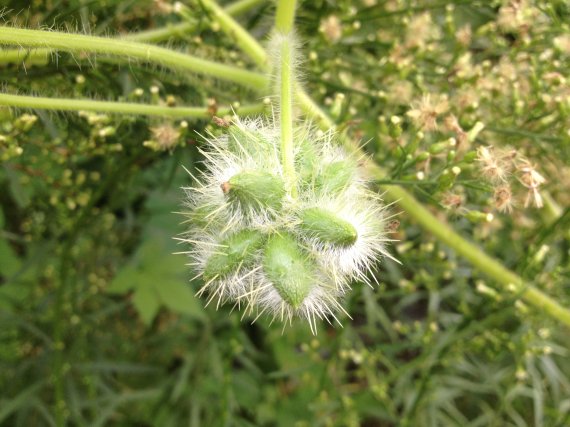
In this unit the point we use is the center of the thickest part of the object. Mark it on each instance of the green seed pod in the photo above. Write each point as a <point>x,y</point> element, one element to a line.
<point>255,189</point>
<point>475,131</point>
<point>306,160</point>
<point>233,252</point>
<point>422,157</point>
<point>470,157</point>
<point>439,147</point>
<point>335,177</point>
<point>289,268</point>
<point>476,216</point>
<point>242,140</point>
<point>446,180</point>
<point>395,129</point>
<point>327,227</point>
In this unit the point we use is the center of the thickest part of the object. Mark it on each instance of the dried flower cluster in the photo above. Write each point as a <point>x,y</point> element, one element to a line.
<point>499,165</point>
<point>425,113</point>
<point>272,252</point>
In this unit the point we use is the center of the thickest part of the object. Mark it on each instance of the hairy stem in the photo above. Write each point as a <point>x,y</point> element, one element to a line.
<point>61,104</point>
<point>41,56</point>
<point>286,114</point>
<point>145,52</point>
<point>284,28</point>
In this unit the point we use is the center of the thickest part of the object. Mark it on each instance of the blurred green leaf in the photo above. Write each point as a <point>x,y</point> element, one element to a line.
<point>12,293</point>
<point>125,280</point>
<point>9,261</point>
<point>146,302</point>
<point>154,272</point>
<point>177,296</point>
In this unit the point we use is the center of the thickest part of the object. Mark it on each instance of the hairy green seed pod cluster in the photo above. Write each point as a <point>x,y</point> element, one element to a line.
<point>261,246</point>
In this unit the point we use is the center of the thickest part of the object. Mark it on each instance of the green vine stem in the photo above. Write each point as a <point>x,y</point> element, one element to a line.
<point>286,114</point>
<point>284,27</point>
<point>145,52</point>
<point>61,104</point>
<point>17,56</point>
<point>41,56</point>
<point>285,16</point>
<point>426,219</point>
<point>229,26</point>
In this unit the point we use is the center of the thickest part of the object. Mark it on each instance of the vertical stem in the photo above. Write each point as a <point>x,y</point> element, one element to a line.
<point>285,16</point>
<point>284,28</point>
<point>286,114</point>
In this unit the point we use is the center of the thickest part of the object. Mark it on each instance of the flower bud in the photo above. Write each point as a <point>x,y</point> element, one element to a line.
<point>288,255</point>
<point>246,141</point>
<point>335,177</point>
<point>232,253</point>
<point>255,190</point>
<point>288,268</point>
<point>327,227</point>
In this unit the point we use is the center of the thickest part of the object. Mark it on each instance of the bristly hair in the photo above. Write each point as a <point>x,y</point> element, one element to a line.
<point>334,227</point>
<point>276,41</point>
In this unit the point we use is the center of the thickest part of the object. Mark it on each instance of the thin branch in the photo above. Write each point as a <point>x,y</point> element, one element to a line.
<point>149,53</point>
<point>62,104</point>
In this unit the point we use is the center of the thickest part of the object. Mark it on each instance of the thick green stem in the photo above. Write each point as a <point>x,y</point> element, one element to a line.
<point>284,29</point>
<point>286,114</point>
<point>17,56</point>
<point>145,52</point>
<point>285,16</point>
<point>61,104</point>
<point>312,110</point>
<point>41,56</point>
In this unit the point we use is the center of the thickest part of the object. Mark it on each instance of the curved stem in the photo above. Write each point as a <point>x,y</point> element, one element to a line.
<point>229,26</point>
<point>311,109</point>
<point>41,56</point>
<point>145,52</point>
<point>62,104</point>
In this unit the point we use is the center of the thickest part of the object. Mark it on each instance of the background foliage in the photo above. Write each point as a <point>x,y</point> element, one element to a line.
<point>98,322</point>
